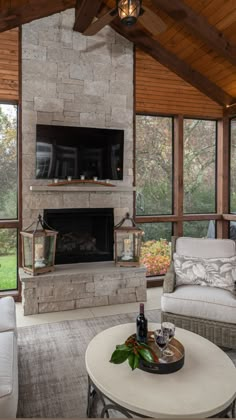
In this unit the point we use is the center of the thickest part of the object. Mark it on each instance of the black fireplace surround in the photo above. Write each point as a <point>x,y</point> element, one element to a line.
<point>84,235</point>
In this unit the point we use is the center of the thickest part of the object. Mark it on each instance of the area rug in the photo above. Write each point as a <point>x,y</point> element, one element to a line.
<point>52,374</point>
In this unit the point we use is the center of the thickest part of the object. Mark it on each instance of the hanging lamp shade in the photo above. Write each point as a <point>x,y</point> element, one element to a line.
<point>129,11</point>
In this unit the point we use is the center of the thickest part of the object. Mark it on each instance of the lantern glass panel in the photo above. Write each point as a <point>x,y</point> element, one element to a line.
<point>49,249</point>
<point>28,254</point>
<point>39,252</point>
<point>128,246</point>
<point>128,8</point>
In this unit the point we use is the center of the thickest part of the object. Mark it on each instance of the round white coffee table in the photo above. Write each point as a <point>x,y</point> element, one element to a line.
<point>204,387</point>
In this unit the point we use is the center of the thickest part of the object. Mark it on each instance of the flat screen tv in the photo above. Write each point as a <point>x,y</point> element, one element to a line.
<point>63,151</point>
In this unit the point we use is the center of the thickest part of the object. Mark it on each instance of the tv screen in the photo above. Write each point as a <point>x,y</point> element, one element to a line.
<point>74,151</point>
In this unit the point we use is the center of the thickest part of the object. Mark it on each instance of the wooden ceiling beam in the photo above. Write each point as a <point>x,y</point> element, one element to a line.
<point>85,11</point>
<point>18,12</point>
<point>173,63</point>
<point>198,26</point>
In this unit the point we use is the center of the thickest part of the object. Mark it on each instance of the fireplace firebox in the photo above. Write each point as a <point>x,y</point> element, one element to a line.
<point>84,235</point>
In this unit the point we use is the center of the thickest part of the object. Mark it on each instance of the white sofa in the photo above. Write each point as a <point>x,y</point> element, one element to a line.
<point>8,359</point>
<point>208,311</point>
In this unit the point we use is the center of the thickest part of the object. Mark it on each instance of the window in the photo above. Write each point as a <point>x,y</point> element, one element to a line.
<point>199,229</point>
<point>199,166</point>
<point>8,259</point>
<point>158,207</point>
<point>154,151</point>
<point>8,197</point>
<point>154,188</point>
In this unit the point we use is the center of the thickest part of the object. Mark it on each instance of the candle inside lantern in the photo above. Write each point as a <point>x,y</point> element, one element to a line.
<point>39,251</point>
<point>127,246</point>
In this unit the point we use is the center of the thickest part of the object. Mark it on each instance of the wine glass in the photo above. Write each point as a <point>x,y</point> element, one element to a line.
<point>161,339</point>
<point>169,329</point>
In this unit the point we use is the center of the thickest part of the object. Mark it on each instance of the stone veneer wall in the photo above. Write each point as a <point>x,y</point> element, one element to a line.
<point>70,79</point>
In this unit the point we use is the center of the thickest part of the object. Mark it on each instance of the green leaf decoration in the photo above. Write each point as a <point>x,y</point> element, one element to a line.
<point>122,347</point>
<point>133,351</point>
<point>146,355</point>
<point>119,356</point>
<point>133,360</point>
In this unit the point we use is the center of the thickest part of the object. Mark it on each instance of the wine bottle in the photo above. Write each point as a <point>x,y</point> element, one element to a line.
<point>141,326</point>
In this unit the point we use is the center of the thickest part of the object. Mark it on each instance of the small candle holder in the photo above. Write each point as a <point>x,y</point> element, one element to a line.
<point>82,177</point>
<point>55,180</point>
<point>69,178</point>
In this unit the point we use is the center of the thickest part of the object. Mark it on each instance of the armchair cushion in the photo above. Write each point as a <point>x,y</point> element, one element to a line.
<point>213,272</point>
<point>205,248</point>
<point>201,302</point>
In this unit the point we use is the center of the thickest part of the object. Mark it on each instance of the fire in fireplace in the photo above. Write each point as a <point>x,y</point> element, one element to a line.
<point>85,235</point>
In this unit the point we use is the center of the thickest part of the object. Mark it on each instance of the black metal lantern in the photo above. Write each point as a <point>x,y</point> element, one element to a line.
<point>127,243</point>
<point>38,248</point>
<point>129,11</point>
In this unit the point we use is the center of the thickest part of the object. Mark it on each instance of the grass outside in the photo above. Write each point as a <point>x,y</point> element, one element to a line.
<point>8,272</point>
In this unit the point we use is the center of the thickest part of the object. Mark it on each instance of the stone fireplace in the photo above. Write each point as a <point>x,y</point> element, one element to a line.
<point>84,235</point>
<point>72,80</point>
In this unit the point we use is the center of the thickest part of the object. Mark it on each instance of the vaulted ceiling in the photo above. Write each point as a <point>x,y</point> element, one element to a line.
<point>196,39</point>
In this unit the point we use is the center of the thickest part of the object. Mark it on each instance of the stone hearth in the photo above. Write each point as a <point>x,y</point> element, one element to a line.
<point>82,285</point>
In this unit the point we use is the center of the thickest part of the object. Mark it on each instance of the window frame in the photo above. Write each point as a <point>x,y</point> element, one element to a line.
<point>216,160</point>
<point>15,223</point>
<point>178,217</point>
<point>152,217</point>
<point>230,161</point>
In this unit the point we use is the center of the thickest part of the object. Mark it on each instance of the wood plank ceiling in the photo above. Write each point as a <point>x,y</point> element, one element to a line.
<point>197,42</point>
<point>9,66</point>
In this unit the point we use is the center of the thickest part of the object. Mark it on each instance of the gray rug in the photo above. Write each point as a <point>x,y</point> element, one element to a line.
<point>52,374</point>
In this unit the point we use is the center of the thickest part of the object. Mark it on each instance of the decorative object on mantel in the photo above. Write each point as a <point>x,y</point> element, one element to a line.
<point>127,243</point>
<point>80,181</point>
<point>38,248</point>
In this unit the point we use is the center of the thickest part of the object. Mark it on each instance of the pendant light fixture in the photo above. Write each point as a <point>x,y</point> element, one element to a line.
<point>129,11</point>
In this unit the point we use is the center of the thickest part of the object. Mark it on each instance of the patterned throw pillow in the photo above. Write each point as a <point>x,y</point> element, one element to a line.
<point>214,272</point>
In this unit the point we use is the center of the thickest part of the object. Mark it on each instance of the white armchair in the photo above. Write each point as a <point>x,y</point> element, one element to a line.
<point>205,310</point>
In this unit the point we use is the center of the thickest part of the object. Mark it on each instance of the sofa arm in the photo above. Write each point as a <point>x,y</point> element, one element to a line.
<point>169,280</point>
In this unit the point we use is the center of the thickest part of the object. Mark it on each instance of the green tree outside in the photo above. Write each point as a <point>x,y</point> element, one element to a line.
<point>8,195</point>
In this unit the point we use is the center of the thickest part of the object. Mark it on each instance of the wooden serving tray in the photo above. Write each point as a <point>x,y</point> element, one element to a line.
<point>166,364</point>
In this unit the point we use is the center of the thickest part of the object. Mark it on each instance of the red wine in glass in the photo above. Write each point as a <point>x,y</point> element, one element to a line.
<point>161,339</point>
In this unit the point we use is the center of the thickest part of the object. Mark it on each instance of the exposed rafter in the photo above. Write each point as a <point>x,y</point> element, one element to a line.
<point>198,26</point>
<point>183,70</point>
<point>19,12</point>
<point>85,11</point>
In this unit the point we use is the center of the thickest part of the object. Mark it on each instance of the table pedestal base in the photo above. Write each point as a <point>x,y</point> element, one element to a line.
<point>107,405</point>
